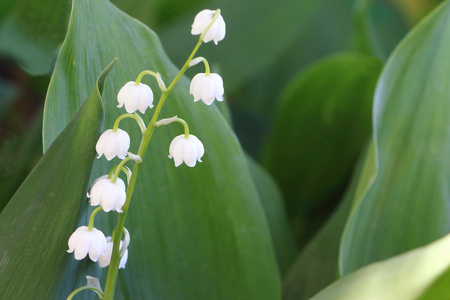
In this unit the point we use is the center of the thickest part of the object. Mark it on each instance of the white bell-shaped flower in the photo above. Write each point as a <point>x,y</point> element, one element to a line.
<point>207,88</point>
<point>113,143</point>
<point>105,258</point>
<point>83,241</point>
<point>109,195</point>
<point>188,150</point>
<point>217,30</point>
<point>135,97</point>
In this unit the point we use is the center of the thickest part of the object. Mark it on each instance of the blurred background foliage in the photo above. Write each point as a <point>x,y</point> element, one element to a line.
<point>299,79</point>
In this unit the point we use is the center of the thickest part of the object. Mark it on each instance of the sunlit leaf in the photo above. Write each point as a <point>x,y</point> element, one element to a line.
<point>196,233</point>
<point>403,277</point>
<point>407,205</point>
<point>39,219</point>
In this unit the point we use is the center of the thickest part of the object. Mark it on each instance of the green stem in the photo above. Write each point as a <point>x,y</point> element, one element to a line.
<point>118,168</point>
<point>157,76</point>
<point>204,61</point>
<point>91,219</point>
<point>133,116</point>
<point>115,256</point>
<point>186,127</point>
<point>83,288</point>
<point>174,119</point>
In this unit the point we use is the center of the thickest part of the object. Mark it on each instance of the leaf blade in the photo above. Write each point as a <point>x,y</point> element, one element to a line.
<point>45,210</point>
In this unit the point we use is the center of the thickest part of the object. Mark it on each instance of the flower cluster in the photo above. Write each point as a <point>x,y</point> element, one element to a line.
<point>109,191</point>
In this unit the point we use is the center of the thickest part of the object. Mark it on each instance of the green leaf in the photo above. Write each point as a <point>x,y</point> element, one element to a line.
<point>39,219</point>
<point>31,32</point>
<point>272,202</point>
<point>407,205</point>
<point>196,233</point>
<point>319,132</point>
<point>317,264</point>
<point>403,277</point>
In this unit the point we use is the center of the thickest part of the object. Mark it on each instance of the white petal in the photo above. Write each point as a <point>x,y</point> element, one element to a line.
<point>132,99</point>
<point>105,259</point>
<point>218,84</point>
<point>217,30</point>
<point>201,21</point>
<point>220,34</point>
<point>102,141</point>
<point>190,154</point>
<point>123,93</point>
<point>123,260</point>
<point>200,148</point>
<point>97,244</point>
<point>145,97</point>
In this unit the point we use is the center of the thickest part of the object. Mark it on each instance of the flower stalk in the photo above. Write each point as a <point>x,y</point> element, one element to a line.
<point>115,256</point>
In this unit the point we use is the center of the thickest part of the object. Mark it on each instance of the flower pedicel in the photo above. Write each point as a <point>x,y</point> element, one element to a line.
<point>109,192</point>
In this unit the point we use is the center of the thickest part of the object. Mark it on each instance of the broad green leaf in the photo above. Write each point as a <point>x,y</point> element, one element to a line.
<point>317,264</point>
<point>406,207</point>
<point>31,32</point>
<point>321,126</point>
<point>272,202</point>
<point>39,219</point>
<point>403,277</point>
<point>196,233</point>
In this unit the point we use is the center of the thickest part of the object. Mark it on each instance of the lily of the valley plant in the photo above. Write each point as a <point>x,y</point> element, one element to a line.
<point>109,192</point>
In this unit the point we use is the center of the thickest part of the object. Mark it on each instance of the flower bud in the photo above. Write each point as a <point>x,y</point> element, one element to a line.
<point>109,195</point>
<point>84,241</point>
<point>135,97</point>
<point>113,143</point>
<point>105,258</point>
<point>188,150</point>
<point>207,88</point>
<point>217,30</point>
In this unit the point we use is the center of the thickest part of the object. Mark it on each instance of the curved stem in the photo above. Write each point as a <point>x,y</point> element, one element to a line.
<point>167,121</point>
<point>91,219</point>
<point>118,168</point>
<point>186,127</point>
<point>115,256</point>
<point>157,76</point>
<point>204,61</point>
<point>83,288</point>
<point>133,116</point>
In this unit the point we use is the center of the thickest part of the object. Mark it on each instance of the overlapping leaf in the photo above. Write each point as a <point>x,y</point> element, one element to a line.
<point>198,232</point>
<point>272,201</point>
<point>317,265</point>
<point>321,126</point>
<point>43,213</point>
<point>403,277</point>
<point>407,205</point>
